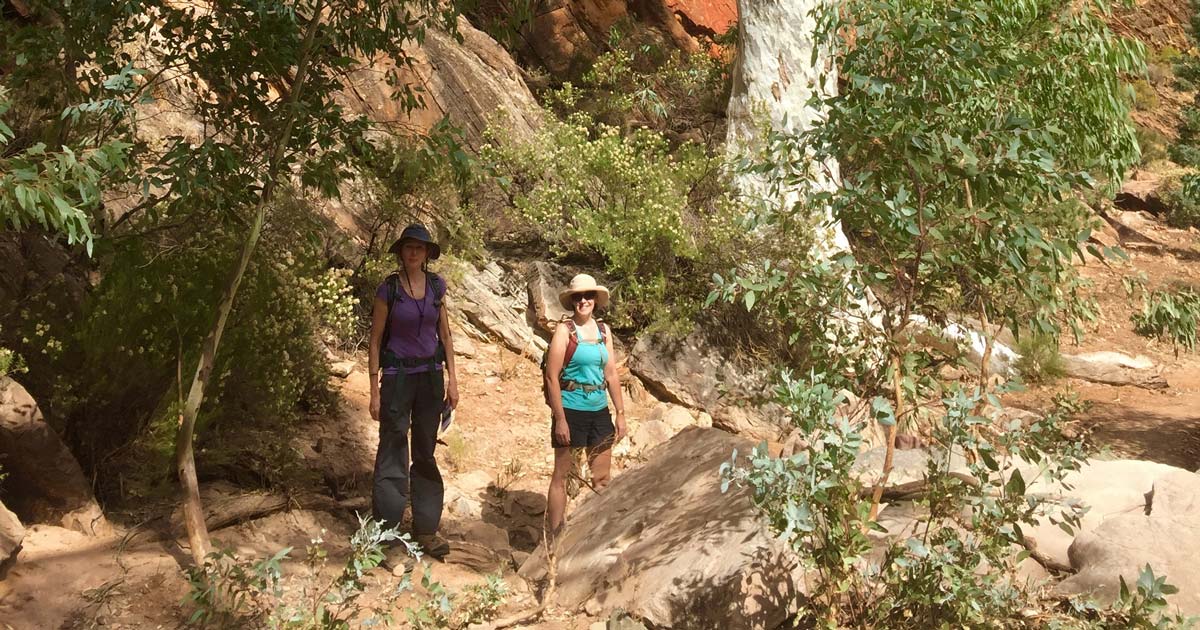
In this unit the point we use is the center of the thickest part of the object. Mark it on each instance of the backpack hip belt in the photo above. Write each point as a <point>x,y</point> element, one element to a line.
<point>390,360</point>
<point>569,386</point>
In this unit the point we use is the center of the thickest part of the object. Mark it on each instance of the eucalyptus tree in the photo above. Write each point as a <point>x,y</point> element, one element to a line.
<point>953,146</point>
<point>249,92</point>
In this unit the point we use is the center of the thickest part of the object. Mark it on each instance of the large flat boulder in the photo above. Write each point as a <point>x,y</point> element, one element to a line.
<point>665,545</point>
<point>1164,536</point>
<point>1106,488</point>
<point>692,373</point>
<point>45,483</point>
<point>1114,368</point>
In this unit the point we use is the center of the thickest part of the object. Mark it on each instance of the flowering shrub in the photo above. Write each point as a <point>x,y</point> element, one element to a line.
<point>652,215</point>
<point>331,298</point>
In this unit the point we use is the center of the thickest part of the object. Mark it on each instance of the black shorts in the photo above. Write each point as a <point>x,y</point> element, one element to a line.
<point>589,429</point>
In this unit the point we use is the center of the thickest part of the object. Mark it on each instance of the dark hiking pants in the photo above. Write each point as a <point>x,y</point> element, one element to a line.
<point>409,401</point>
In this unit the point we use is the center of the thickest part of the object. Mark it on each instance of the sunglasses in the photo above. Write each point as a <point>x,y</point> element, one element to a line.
<point>586,295</point>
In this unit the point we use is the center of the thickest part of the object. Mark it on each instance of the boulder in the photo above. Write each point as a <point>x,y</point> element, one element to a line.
<point>1106,488</point>
<point>692,373</point>
<point>665,545</point>
<point>1164,536</point>
<point>12,533</point>
<point>45,484</point>
<point>1114,368</point>
<point>648,435</point>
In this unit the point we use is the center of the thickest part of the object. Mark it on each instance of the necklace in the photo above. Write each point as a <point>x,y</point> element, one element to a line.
<point>420,303</point>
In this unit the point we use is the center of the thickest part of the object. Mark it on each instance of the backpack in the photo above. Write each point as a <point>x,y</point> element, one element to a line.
<point>432,282</point>
<point>572,345</point>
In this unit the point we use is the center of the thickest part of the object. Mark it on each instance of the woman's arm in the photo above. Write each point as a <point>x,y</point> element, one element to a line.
<point>614,384</point>
<point>378,323</point>
<point>448,345</point>
<point>554,366</point>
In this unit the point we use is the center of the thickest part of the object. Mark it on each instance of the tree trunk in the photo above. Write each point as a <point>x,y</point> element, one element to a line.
<point>773,80</point>
<point>184,457</point>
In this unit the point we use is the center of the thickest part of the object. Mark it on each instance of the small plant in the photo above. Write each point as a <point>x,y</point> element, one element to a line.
<point>230,591</point>
<point>1170,315</point>
<point>457,450</point>
<point>1153,145</point>
<point>509,474</point>
<point>1040,360</point>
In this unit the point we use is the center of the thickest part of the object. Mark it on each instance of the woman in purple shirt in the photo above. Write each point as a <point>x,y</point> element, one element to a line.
<point>411,343</point>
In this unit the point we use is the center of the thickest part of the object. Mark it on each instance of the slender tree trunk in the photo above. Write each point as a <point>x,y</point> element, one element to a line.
<point>889,454</point>
<point>185,461</point>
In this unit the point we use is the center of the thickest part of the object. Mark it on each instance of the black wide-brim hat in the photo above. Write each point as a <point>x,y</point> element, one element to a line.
<point>417,232</point>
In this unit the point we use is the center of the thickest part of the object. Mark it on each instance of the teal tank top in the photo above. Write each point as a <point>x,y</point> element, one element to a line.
<point>586,366</point>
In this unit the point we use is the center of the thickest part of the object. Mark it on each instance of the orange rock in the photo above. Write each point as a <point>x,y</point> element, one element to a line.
<point>715,16</point>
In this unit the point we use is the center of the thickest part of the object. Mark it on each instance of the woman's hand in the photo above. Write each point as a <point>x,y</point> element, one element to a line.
<point>622,430</point>
<point>562,433</point>
<point>452,392</point>
<point>374,404</point>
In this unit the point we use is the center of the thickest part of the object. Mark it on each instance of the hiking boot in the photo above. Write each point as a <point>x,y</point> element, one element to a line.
<point>433,545</point>
<point>397,560</point>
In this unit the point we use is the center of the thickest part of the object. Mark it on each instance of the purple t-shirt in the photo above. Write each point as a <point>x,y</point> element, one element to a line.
<point>413,326</point>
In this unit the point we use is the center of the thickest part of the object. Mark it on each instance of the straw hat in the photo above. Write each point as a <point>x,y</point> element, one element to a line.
<point>582,283</point>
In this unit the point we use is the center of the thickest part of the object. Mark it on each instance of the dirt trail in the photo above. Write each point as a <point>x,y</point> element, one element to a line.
<point>1130,422</point>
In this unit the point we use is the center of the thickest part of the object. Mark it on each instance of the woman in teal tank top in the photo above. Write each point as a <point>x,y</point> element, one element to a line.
<point>581,355</point>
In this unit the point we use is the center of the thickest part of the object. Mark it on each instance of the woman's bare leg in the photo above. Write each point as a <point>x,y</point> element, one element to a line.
<point>556,496</point>
<point>600,463</point>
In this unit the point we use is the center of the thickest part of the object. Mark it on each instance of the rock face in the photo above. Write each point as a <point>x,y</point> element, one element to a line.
<point>12,533</point>
<point>663,544</point>
<point>45,484</point>
<point>1164,535</point>
<point>493,300</point>
<point>545,281</point>
<point>693,374</point>
<point>467,82</point>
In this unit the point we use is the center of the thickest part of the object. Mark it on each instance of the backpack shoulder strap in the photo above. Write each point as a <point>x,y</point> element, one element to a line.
<point>602,330</point>
<point>393,295</point>
<point>438,285</point>
<point>572,341</point>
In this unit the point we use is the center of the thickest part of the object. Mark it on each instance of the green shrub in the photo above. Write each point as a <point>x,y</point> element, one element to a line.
<point>1145,97</point>
<point>659,221</point>
<point>646,86</point>
<point>1181,195</point>
<point>1170,315</point>
<point>115,365</point>
<point>1040,360</point>
<point>1152,144</point>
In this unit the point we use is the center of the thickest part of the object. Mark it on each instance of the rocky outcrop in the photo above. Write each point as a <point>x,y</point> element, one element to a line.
<point>665,545</point>
<point>1162,535</point>
<point>563,36</point>
<point>12,533</point>
<point>692,373</point>
<point>494,301</point>
<point>545,280</point>
<point>45,484</point>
